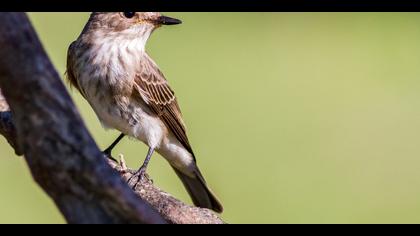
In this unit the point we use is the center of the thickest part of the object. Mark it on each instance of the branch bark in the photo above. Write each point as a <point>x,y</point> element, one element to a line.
<point>62,156</point>
<point>172,209</point>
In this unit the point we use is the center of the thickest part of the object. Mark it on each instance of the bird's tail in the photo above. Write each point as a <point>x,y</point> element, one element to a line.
<point>200,194</point>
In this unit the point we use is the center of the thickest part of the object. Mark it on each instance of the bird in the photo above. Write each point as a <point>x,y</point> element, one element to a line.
<point>109,66</point>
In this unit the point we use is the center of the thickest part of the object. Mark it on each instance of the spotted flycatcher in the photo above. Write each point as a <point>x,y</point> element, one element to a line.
<point>124,86</point>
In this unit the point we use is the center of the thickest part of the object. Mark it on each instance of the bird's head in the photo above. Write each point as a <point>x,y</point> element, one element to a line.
<point>127,25</point>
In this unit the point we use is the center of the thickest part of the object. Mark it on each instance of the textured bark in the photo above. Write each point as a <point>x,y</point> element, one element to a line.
<point>44,125</point>
<point>172,209</point>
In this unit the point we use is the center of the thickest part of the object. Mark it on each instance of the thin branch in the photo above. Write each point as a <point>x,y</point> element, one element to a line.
<point>172,209</point>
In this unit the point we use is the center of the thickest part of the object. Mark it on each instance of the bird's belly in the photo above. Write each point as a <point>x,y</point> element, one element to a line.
<point>132,120</point>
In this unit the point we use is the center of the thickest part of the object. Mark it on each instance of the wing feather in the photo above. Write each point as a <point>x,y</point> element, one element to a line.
<point>154,89</point>
<point>69,74</point>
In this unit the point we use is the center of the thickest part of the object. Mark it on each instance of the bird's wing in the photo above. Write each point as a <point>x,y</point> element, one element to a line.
<point>154,89</point>
<point>70,68</point>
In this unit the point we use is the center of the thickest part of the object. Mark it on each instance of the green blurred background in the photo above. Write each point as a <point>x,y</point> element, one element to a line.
<point>294,117</point>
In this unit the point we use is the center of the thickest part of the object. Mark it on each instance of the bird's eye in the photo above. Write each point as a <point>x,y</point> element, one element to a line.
<point>129,14</point>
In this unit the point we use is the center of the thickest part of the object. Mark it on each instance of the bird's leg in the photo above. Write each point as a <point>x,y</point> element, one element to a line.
<point>136,178</point>
<point>108,151</point>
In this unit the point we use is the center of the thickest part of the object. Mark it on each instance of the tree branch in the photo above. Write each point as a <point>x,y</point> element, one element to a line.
<point>63,158</point>
<point>172,209</point>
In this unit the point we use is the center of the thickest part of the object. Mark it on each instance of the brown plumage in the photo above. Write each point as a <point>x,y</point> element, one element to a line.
<point>108,65</point>
<point>154,89</point>
<point>70,68</point>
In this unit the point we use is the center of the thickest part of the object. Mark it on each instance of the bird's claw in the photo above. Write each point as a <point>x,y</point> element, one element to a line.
<point>123,164</point>
<point>136,178</point>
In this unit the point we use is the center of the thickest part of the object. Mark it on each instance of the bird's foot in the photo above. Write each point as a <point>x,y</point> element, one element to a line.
<point>123,164</point>
<point>137,178</point>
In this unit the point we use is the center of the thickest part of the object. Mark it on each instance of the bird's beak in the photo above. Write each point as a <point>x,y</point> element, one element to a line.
<point>165,20</point>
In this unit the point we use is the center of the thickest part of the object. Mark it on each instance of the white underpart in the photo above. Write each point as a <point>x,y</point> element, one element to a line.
<point>139,124</point>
